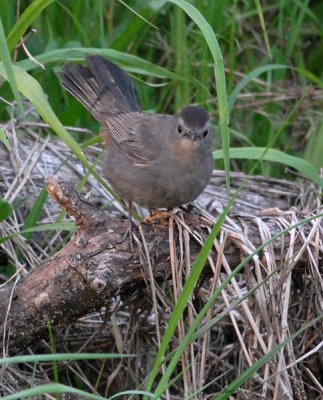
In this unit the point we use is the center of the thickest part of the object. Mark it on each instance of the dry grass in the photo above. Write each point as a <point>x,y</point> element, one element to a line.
<point>289,295</point>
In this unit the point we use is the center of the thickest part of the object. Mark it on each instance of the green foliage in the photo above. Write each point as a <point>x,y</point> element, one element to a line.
<point>4,139</point>
<point>304,167</point>
<point>53,348</point>
<point>62,226</point>
<point>313,149</point>
<point>61,357</point>
<point>25,21</point>
<point>5,57</point>
<point>5,209</point>
<point>57,388</point>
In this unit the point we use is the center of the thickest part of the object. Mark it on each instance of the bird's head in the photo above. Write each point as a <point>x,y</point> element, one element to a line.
<point>194,124</point>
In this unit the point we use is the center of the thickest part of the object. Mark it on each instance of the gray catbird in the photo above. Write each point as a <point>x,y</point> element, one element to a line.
<point>155,160</point>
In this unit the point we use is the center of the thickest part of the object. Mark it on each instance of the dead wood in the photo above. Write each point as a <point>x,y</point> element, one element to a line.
<point>97,263</point>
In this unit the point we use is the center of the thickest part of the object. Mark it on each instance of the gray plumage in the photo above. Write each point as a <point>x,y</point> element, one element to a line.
<point>155,160</point>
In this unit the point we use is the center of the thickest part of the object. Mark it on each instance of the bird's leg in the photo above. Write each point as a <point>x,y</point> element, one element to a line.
<point>130,226</point>
<point>128,232</point>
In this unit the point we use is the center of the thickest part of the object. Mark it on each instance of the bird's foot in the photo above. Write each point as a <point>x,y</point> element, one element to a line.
<point>157,217</point>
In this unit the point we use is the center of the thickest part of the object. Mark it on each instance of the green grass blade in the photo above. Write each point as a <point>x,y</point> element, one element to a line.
<point>135,27</point>
<point>232,47</point>
<point>242,137</point>
<point>25,20</point>
<point>137,14</point>
<point>214,47</point>
<point>35,212</point>
<point>314,146</point>
<point>32,358</point>
<point>53,348</point>
<point>30,88</point>
<point>310,76</point>
<point>254,153</point>
<point>248,78</point>
<point>5,209</point>
<point>128,61</point>
<point>59,388</point>
<point>229,390</point>
<point>57,226</point>
<point>182,302</point>
<point>76,22</point>
<point>179,43</point>
<point>267,68</point>
<point>4,139</point>
<point>6,60</point>
<point>53,388</point>
<point>201,390</point>
<point>127,393</point>
<point>263,27</point>
<point>297,26</point>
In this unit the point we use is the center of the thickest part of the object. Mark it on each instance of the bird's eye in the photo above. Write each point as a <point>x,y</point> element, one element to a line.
<point>179,129</point>
<point>205,133</point>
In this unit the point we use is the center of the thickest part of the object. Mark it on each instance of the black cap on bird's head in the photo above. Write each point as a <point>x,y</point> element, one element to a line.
<point>193,122</point>
<point>194,116</point>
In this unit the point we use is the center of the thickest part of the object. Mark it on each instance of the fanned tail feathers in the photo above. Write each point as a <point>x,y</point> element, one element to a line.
<point>102,87</point>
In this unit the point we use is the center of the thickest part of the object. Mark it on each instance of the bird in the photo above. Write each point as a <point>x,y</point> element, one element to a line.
<point>155,160</point>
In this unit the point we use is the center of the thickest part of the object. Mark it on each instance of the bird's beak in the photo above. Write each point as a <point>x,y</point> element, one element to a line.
<point>195,136</point>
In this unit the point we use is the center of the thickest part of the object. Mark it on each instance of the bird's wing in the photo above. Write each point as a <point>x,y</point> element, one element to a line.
<point>136,134</point>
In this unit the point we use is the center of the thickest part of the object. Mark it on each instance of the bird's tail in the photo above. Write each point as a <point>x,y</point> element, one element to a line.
<point>102,87</point>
